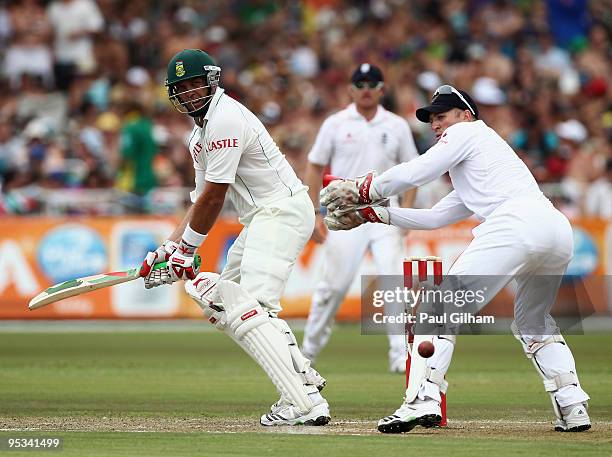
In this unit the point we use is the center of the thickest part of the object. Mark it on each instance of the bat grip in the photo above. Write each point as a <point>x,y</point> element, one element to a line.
<point>197,261</point>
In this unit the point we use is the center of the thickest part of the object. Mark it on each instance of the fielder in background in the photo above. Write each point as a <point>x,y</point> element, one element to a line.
<point>234,155</point>
<point>362,137</point>
<point>521,237</point>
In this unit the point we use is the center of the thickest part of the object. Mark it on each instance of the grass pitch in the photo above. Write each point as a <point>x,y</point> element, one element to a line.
<point>195,393</point>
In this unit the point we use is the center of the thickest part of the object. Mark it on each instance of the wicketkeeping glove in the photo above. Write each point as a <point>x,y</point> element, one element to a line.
<point>347,194</point>
<point>343,220</point>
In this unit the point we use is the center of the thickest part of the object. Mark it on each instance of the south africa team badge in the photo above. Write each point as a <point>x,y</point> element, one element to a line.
<point>180,69</point>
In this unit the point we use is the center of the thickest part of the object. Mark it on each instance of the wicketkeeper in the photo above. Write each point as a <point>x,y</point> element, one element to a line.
<point>234,155</point>
<point>521,237</point>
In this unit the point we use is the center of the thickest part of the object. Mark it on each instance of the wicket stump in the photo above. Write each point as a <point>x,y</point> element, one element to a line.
<point>422,270</point>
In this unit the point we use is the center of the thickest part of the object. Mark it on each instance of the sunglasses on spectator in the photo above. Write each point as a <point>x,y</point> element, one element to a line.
<point>448,90</point>
<point>368,84</point>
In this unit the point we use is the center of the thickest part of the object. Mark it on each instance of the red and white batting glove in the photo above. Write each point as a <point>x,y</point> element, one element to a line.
<point>161,254</point>
<point>342,220</point>
<point>181,264</point>
<point>346,193</point>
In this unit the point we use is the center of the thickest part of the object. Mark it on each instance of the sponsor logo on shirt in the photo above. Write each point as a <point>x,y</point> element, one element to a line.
<point>197,148</point>
<point>222,144</point>
<point>443,139</point>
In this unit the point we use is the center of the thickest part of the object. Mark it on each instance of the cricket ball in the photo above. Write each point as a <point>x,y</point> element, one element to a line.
<point>426,349</point>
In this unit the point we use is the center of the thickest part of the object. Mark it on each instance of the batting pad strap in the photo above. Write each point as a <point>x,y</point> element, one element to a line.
<point>532,347</point>
<point>450,338</point>
<point>437,377</point>
<point>559,381</point>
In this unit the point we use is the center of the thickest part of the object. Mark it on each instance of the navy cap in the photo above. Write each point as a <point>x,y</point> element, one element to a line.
<point>367,72</point>
<point>444,102</point>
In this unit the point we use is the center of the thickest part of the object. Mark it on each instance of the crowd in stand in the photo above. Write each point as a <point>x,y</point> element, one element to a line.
<point>82,101</point>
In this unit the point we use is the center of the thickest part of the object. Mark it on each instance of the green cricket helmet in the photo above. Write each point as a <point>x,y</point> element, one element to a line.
<point>188,64</point>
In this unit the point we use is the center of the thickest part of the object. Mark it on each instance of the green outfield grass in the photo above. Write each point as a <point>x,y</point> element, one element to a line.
<point>165,379</point>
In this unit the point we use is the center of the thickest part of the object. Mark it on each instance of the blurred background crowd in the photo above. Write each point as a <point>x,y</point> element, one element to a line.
<point>86,127</point>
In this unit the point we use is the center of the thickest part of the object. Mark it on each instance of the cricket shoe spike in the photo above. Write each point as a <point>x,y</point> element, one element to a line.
<point>424,413</point>
<point>575,419</point>
<point>287,414</point>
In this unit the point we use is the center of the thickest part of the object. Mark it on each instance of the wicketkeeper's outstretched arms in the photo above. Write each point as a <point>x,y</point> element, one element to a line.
<point>341,216</point>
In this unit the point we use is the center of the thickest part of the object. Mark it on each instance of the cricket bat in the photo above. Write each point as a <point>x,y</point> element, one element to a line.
<point>80,286</point>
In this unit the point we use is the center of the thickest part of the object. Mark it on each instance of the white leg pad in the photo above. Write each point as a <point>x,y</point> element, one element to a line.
<point>554,361</point>
<point>252,327</point>
<point>301,364</point>
<point>203,290</point>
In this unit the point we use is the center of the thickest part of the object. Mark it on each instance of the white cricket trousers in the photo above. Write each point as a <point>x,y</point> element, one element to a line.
<point>519,240</point>
<point>266,250</point>
<point>343,253</point>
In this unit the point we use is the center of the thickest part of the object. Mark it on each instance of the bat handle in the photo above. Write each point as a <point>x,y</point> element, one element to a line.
<point>197,261</point>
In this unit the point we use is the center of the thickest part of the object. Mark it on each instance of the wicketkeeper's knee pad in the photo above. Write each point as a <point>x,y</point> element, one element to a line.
<point>249,324</point>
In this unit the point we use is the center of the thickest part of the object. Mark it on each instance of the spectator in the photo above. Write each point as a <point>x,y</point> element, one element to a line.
<point>138,150</point>
<point>29,51</point>
<point>75,23</point>
<point>548,62</point>
<point>599,195</point>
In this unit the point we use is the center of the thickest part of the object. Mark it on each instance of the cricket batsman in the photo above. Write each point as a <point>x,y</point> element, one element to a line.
<point>521,237</point>
<point>234,155</point>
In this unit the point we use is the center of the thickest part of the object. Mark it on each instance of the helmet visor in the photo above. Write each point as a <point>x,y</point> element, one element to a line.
<point>190,100</point>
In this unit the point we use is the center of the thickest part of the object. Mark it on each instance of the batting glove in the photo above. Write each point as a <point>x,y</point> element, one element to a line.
<point>161,254</point>
<point>157,277</point>
<point>182,264</point>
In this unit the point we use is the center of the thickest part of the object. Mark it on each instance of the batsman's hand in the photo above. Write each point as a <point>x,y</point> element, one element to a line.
<point>157,277</point>
<point>182,264</point>
<point>161,254</point>
<point>347,220</point>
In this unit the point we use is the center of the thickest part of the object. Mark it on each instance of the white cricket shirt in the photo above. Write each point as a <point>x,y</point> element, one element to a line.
<point>484,170</point>
<point>235,148</point>
<point>352,145</point>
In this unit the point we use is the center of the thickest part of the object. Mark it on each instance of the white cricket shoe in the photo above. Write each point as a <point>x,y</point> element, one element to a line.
<point>312,377</point>
<point>288,414</point>
<point>575,419</point>
<point>424,413</point>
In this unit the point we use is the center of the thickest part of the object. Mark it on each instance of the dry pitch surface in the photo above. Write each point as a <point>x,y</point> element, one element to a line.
<point>600,433</point>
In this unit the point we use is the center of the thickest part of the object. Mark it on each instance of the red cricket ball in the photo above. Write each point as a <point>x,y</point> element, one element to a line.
<point>426,349</point>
